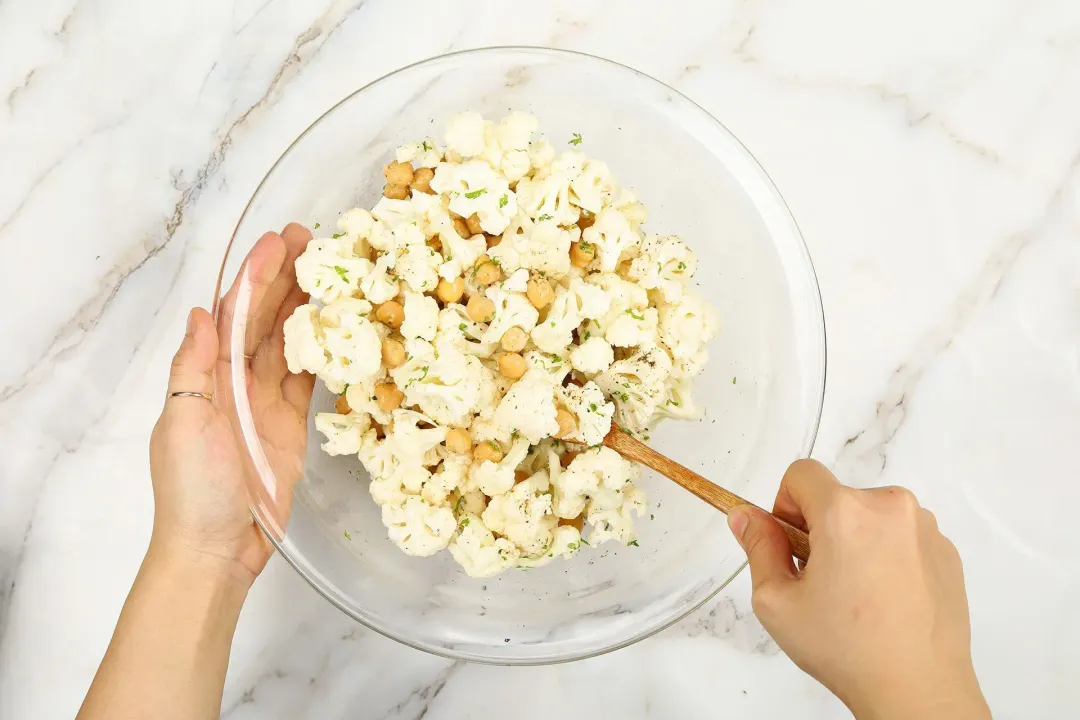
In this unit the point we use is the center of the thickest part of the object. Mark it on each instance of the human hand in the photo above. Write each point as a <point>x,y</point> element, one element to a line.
<point>879,614</point>
<point>198,462</point>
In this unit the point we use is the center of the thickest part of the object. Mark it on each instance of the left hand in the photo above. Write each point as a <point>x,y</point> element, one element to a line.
<point>198,463</point>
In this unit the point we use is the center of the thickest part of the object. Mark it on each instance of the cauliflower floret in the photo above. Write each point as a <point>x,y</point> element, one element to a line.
<point>460,332</point>
<point>424,154</point>
<point>421,316</point>
<point>447,386</point>
<point>596,476</point>
<point>496,478</point>
<point>633,328</point>
<point>379,285</point>
<point>511,310</point>
<point>592,411</point>
<point>356,222</point>
<point>612,237</point>
<point>418,266</point>
<point>515,165</point>
<point>417,527</point>
<point>479,552</point>
<point>394,212</point>
<point>460,253</point>
<point>397,464</point>
<point>529,408</point>
<point>523,515</point>
<point>565,542</point>
<point>344,433</point>
<point>686,325</point>
<point>328,270</point>
<point>361,399</point>
<point>553,365</point>
<point>304,350</point>
<point>580,301</point>
<point>678,402</point>
<point>637,385</point>
<point>592,189</point>
<point>474,187</point>
<point>592,356</point>
<point>616,523</point>
<point>541,155</point>
<point>516,130</point>
<point>626,301</point>
<point>547,198</point>
<point>448,478</point>
<point>665,264</point>
<point>541,246</point>
<point>465,134</point>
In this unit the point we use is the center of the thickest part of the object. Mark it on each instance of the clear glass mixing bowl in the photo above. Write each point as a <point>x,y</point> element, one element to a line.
<point>762,388</point>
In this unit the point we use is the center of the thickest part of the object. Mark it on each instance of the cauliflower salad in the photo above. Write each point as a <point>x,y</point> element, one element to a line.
<point>483,325</point>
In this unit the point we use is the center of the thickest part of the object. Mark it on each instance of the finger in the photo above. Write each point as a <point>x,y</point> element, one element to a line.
<point>296,389</point>
<point>767,548</point>
<point>269,364</point>
<point>257,274</point>
<point>805,492</point>
<point>193,365</point>
<point>295,238</point>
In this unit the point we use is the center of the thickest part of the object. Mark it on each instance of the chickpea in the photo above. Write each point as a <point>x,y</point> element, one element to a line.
<point>586,220</point>
<point>480,309</point>
<point>520,476</point>
<point>341,406</point>
<point>512,365</point>
<point>485,271</point>
<point>388,397</point>
<point>567,458</point>
<point>578,522</point>
<point>473,223</point>
<point>393,353</point>
<point>397,173</point>
<point>450,292</point>
<point>396,192</point>
<point>462,228</point>
<point>566,421</point>
<point>487,451</point>
<point>492,240</point>
<point>458,441</point>
<point>390,313</point>
<point>539,292</point>
<point>582,253</point>
<point>514,340</point>
<point>435,243</point>
<point>422,180</point>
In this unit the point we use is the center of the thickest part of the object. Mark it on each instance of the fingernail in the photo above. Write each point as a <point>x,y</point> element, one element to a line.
<point>191,321</point>
<point>737,520</point>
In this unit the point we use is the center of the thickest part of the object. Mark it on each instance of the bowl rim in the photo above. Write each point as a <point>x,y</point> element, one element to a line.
<point>264,523</point>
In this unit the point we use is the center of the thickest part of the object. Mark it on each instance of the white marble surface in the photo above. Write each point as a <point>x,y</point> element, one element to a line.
<point>929,150</point>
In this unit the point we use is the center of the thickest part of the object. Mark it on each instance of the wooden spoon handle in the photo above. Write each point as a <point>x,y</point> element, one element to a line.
<point>631,448</point>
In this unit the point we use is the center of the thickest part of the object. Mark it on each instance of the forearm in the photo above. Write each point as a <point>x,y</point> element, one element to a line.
<point>168,655</point>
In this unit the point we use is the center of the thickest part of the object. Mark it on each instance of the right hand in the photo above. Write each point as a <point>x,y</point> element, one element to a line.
<point>879,614</point>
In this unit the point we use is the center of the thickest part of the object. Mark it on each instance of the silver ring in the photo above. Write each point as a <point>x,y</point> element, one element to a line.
<point>204,396</point>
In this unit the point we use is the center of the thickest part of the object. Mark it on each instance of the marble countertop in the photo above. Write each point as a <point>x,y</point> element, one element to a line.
<point>930,152</point>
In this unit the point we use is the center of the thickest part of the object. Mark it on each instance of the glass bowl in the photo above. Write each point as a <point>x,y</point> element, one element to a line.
<point>762,389</point>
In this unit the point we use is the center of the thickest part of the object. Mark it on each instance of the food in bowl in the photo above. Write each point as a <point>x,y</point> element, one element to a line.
<point>483,325</point>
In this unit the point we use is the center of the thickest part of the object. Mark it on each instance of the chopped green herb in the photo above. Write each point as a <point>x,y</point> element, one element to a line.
<point>475,193</point>
<point>576,140</point>
<point>634,543</point>
<point>465,523</point>
<point>732,381</point>
<point>673,402</point>
<point>587,247</point>
<point>682,266</point>
<point>483,587</point>
<point>543,217</point>
<point>503,201</point>
<point>586,336</point>
<point>459,504</point>
<point>337,235</point>
<point>572,546</point>
<point>626,431</point>
<point>317,226</point>
<point>342,273</point>
<point>584,541</point>
<point>427,145</point>
<point>462,326</point>
<point>494,446</point>
<point>652,517</point>
<point>318,283</point>
<point>592,407</point>
<point>347,535</point>
<point>631,313</point>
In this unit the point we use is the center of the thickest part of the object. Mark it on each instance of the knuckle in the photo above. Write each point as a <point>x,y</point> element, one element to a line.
<point>902,500</point>
<point>765,600</point>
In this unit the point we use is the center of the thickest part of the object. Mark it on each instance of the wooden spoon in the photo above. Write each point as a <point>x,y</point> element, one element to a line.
<point>622,442</point>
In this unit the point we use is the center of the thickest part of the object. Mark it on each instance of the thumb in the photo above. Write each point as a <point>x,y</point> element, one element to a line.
<point>766,545</point>
<point>193,365</point>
